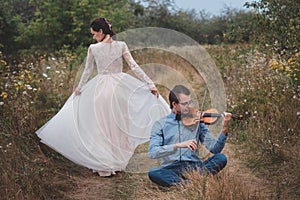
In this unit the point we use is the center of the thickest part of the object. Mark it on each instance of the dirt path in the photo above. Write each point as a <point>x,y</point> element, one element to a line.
<point>89,186</point>
<point>92,187</point>
<point>255,185</point>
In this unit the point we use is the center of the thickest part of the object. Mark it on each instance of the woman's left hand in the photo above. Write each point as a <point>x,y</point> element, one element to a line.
<point>154,91</point>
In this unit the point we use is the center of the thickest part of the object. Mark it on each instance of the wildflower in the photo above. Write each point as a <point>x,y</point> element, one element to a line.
<point>3,62</point>
<point>4,95</point>
<point>298,113</point>
<point>48,67</point>
<point>1,103</point>
<point>45,75</point>
<point>53,58</point>
<point>28,87</point>
<point>287,69</point>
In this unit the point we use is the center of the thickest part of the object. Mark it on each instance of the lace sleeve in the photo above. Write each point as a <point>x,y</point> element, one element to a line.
<point>135,67</point>
<point>88,69</point>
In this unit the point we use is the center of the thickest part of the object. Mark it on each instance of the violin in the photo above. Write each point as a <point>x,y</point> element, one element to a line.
<point>208,117</point>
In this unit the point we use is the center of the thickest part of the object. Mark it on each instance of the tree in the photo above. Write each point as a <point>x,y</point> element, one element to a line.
<point>278,29</point>
<point>278,25</point>
<point>51,24</point>
<point>13,13</point>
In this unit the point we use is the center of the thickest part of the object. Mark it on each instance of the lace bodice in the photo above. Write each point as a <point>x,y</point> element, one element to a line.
<point>108,59</point>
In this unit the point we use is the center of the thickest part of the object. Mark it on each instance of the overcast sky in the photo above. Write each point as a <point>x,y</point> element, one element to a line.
<point>213,7</point>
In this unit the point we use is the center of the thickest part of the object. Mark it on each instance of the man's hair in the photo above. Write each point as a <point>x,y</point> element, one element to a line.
<point>174,94</point>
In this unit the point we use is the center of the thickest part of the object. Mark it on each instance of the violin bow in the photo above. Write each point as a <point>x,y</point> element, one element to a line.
<point>201,110</point>
<point>202,106</point>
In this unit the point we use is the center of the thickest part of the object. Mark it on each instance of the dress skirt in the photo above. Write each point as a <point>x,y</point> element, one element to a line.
<point>100,128</point>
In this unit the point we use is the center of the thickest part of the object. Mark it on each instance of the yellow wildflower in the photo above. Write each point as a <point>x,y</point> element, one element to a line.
<point>287,69</point>
<point>3,62</point>
<point>4,95</point>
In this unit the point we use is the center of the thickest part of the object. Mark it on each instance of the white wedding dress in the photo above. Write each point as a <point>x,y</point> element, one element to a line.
<point>101,127</point>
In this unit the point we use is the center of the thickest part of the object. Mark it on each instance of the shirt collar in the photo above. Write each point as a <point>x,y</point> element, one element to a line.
<point>172,116</point>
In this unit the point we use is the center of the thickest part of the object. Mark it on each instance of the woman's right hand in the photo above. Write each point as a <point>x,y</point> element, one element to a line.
<point>77,91</point>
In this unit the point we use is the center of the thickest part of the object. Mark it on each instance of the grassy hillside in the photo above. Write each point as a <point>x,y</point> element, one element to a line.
<point>33,90</point>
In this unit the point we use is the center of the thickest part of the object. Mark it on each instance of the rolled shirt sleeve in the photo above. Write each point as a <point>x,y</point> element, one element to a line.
<point>212,144</point>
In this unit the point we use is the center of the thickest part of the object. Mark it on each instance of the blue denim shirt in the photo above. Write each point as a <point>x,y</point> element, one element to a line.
<point>167,131</point>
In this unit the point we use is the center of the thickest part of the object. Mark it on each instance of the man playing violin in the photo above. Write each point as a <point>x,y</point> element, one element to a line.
<point>176,144</point>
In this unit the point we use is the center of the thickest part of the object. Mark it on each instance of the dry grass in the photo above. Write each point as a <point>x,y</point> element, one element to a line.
<point>267,141</point>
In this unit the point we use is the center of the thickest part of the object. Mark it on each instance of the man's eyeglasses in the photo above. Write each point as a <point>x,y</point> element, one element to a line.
<point>186,103</point>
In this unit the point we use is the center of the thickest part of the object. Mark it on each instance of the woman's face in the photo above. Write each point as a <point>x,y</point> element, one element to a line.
<point>98,36</point>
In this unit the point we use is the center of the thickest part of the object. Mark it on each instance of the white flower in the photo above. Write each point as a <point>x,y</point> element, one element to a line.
<point>45,75</point>
<point>29,87</point>
<point>48,67</point>
<point>276,145</point>
<point>1,103</point>
<point>298,113</point>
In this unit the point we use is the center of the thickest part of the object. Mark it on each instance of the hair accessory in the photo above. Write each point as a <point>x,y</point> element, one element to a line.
<point>108,23</point>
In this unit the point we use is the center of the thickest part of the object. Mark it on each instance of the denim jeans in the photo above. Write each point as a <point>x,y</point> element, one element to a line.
<point>173,173</point>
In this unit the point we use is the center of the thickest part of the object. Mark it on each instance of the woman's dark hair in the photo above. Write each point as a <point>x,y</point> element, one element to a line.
<point>174,94</point>
<point>104,24</point>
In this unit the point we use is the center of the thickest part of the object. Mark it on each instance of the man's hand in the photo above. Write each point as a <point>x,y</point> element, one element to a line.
<point>191,144</point>
<point>227,118</point>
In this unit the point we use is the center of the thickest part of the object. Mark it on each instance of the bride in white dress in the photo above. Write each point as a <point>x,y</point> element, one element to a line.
<point>106,118</point>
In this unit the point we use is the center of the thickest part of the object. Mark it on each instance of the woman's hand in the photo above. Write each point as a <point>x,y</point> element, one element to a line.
<point>154,91</point>
<point>77,91</point>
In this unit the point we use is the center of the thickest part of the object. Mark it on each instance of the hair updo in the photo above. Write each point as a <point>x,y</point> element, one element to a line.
<point>104,24</point>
